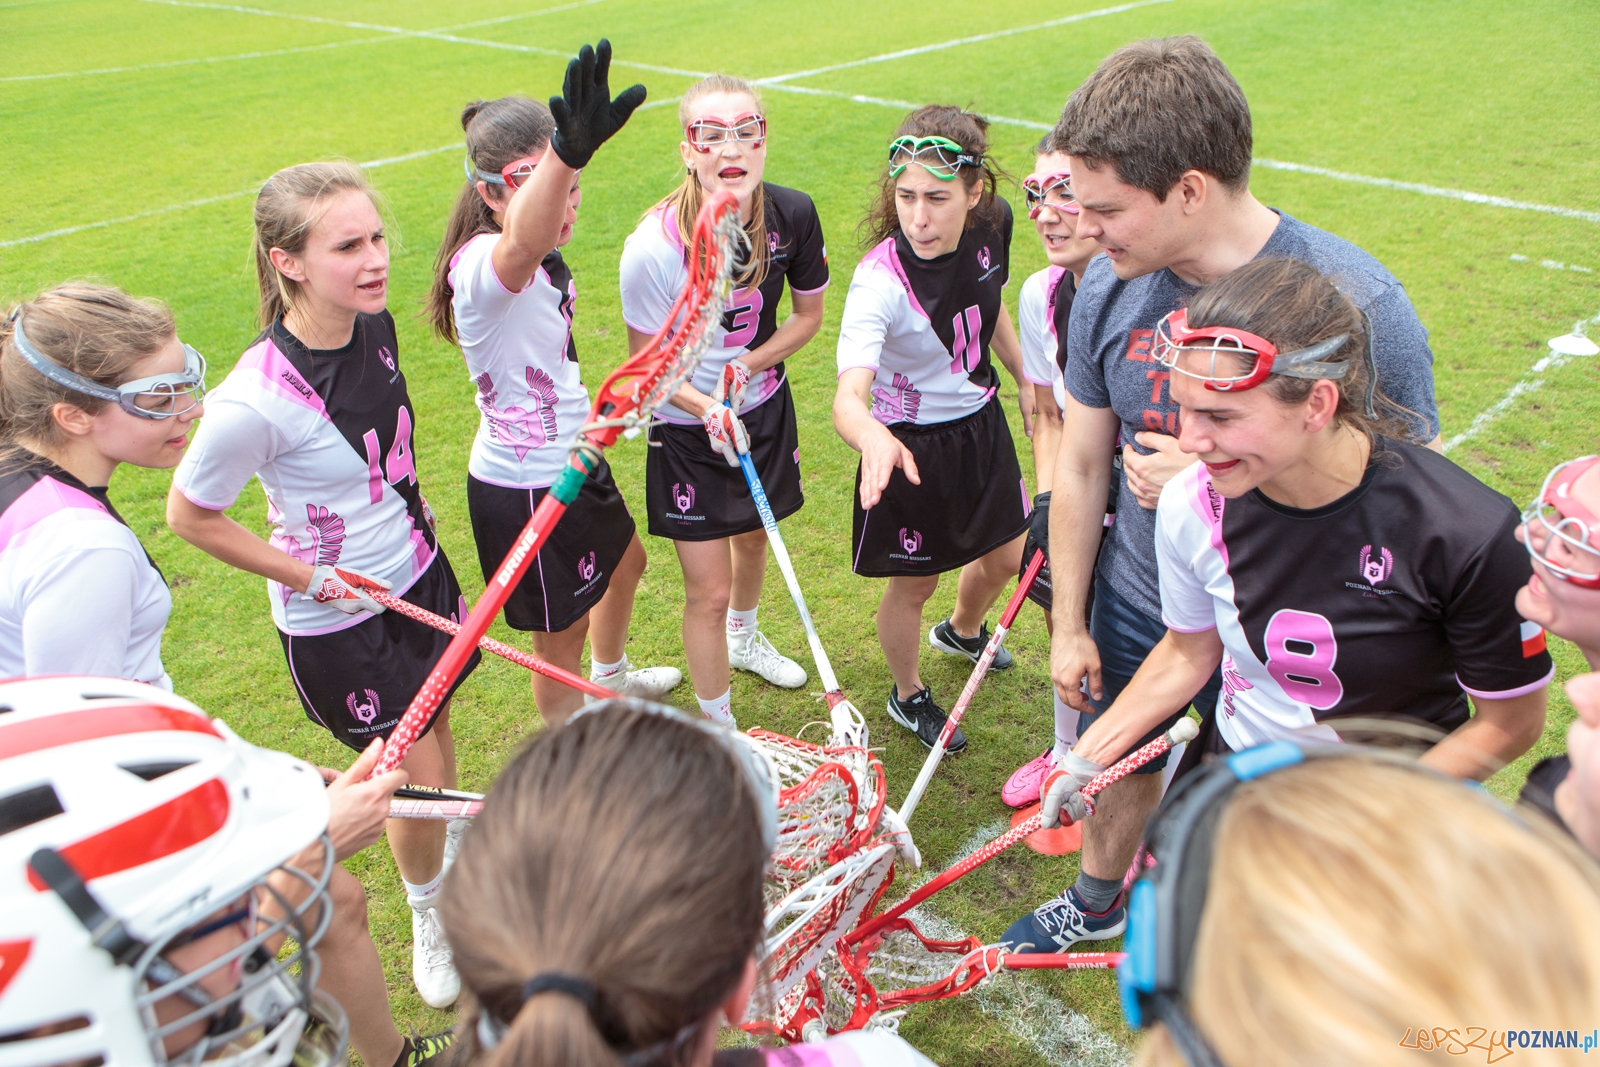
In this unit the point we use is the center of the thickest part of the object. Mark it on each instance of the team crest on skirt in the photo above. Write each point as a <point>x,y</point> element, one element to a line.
<point>366,711</point>
<point>586,567</point>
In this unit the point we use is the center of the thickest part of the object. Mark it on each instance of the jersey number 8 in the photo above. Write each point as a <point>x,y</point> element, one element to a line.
<point>1301,651</point>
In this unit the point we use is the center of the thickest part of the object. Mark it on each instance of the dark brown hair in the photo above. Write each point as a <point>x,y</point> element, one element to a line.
<point>966,129</point>
<point>498,132</point>
<point>1294,305</point>
<point>287,209</point>
<point>1154,109</point>
<point>95,331</point>
<point>623,849</point>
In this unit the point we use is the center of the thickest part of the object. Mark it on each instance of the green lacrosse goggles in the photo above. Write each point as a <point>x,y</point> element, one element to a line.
<point>939,156</point>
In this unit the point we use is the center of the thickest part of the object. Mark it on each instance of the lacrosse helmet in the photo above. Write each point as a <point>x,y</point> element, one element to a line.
<point>137,836</point>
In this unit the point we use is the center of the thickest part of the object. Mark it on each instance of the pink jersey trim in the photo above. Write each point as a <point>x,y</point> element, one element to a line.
<point>1211,514</point>
<point>455,259</point>
<point>884,257</point>
<point>1052,286</point>
<point>1184,629</point>
<point>279,376</point>
<point>807,292</point>
<point>669,226</point>
<point>197,502</point>
<point>857,366</point>
<point>1034,381</point>
<point>1508,694</point>
<point>47,497</point>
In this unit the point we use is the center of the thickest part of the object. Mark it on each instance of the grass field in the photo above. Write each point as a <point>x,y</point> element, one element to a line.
<point>138,131</point>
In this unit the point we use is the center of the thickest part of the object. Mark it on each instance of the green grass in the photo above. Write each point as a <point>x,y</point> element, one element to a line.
<point>1469,94</point>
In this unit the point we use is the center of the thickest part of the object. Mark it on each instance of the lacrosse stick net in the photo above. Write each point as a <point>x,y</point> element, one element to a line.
<point>627,398</point>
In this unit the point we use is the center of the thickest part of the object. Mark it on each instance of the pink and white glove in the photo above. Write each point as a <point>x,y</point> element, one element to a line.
<point>1061,798</point>
<point>345,589</point>
<point>731,386</point>
<point>727,433</point>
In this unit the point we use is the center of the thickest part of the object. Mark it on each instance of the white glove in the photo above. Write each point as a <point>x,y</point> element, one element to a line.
<point>730,387</point>
<point>345,589</point>
<point>727,433</point>
<point>1061,793</point>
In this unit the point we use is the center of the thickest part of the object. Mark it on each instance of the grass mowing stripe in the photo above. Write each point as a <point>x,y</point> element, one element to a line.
<point>957,42</point>
<point>1430,190</point>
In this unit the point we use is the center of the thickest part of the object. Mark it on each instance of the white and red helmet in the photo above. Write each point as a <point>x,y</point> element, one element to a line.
<point>129,822</point>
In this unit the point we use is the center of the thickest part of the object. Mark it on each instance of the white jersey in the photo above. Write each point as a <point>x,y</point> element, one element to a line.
<point>653,274</point>
<point>78,594</point>
<point>520,354</point>
<point>923,326</point>
<point>1036,329</point>
<point>330,436</point>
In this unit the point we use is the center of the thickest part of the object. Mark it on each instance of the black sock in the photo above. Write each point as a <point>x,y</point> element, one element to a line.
<point>1099,895</point>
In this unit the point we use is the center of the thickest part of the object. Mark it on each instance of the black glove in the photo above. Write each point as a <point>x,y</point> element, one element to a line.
<point>1039,523</point>
<point>586,116</point>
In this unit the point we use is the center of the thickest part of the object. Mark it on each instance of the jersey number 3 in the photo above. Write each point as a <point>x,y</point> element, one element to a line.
<point>742,318</point>
<point>1301,651</point>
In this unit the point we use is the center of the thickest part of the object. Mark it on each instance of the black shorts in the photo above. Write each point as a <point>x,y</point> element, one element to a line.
<point>573,569</point>
<point>357,682</point>
<point>971,501</point>
<point>692,493</point>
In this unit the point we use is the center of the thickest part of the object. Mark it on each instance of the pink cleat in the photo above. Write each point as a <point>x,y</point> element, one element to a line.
<point>1022,788</point>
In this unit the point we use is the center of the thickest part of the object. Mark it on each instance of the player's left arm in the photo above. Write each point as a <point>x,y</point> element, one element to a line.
<point>1009,349</point>
<point>793,334</point>
<point>1498,732</point>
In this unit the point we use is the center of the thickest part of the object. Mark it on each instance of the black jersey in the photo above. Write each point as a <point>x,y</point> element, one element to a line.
<point>961,291</point>
<point>1396,600</point>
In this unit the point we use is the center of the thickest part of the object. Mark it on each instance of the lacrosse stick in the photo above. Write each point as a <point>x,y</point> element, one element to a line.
<point>489,644</point>
<point>625,400</point>
<point>426,802</point>
<point>959,712</point>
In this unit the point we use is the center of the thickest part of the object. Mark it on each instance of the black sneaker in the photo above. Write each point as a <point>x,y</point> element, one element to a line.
<point>922,716</point>
<point>431,1051</point>
<point>944,638</point>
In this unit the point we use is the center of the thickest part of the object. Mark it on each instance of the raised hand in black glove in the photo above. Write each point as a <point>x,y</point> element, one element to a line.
<point>585,114</point>
<point>1039,522</point>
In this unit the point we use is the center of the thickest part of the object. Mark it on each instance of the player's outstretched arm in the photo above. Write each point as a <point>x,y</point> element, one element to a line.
<point>881,452</point>
<point>1176,669</point>
<point>1498,732</point>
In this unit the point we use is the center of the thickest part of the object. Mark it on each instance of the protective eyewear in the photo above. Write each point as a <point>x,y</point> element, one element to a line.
<point>160,396</point>
<point>1049,190</point>
<point>1563,520</point>
<point>705,134</point>
<point>242,915</point>
<point>939,156</point>
<point>1185,351</point>
<point>513,174</point>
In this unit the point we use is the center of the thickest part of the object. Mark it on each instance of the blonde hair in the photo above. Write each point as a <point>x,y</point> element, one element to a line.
<point>1354,901</point>
<point>95,331</point>
<point>288,208</point>
<point>685,201</point>
<point>623,849</point>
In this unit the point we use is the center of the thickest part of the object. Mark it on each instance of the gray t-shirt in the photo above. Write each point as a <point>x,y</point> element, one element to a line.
<point>1110,364</point>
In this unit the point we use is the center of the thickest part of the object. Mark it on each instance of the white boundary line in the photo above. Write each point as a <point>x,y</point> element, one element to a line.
<point>1531,382</point>
<point>1552,264</point>
<point>1430,190</point>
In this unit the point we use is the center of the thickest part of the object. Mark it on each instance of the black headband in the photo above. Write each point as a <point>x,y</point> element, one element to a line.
<point>555,981</point>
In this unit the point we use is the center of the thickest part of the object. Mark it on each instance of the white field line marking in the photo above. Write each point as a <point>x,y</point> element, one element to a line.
<point>957,42</point>
<point>1530,382</point>
<point>1430,190</point>
<point>1551,264</point>
<point>251,191</point>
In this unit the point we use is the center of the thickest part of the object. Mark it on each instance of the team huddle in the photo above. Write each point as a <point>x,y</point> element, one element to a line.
<point>1239,500</point>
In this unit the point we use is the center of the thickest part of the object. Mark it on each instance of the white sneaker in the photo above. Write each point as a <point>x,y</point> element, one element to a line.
<point>432,968</point>
<point>453,831</point>
<point>753,652</point>
<point>646,683</point>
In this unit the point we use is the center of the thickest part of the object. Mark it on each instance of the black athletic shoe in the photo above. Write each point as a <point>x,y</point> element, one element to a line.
<point>923,717</point>
<point>431,1051</point>
<point>944,638</point>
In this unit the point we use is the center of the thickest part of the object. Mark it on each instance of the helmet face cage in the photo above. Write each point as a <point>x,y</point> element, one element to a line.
<point>939,156</point>
<point>160,396</point>
<point>1176,340</point>
<point>1049,190</point>
<point>1564,521</point>
<point>274,1015</point>
<point>704,134</point>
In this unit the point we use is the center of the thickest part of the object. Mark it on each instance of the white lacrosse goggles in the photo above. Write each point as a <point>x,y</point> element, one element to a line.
<point>1193,353</point>
<point>1049,190</point>
<point>711,132</point>
<point>1568,533</point>
<point>161,396</point>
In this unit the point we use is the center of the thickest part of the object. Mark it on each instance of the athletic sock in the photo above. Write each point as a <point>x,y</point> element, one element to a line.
<point>1099,895</point>
<point>740,622</point>
<point>421,897</point>
<point>718,709</point>
<point>598,670</point>
<point>1066,727</point>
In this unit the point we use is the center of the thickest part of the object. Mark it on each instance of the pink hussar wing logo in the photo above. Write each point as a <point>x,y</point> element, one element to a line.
<point>521,428</point>
<point>1232,682</point>
<point>387,357</point>
<point>898,404</point>
<point>542,388</point>
<point>586,567</point>
<point>683,496</point>
<point>327,542</point>
<point>772,242</point>
<point>367,711</point>
<point>1376,570</point>
<point>983,257</point>
<point>910,540</point>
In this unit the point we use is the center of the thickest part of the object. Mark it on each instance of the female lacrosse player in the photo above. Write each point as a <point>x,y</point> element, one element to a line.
<point>696,494</point>
<point>642,812</point>
<point>939,486</point>
<point>1330,568</point>
<point>90,378</point>
<point>1043,307</point>
<point>503,293</point>
<point>317,408</point>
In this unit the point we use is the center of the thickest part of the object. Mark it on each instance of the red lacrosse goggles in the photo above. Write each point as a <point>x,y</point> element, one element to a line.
<point>1049,190</point>
<point>1567,526</point>
<point>1174,340</point>
<point>712,132</point>
<point>513,174</point>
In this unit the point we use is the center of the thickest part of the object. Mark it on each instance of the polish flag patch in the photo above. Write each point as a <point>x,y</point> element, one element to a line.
<point>1532,635</point>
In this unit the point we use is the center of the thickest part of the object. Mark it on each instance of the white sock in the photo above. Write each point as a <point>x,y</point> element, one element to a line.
<point>1066,727</point>
<point>457,826</point>
<point>742,621</point>
<point>421,897</point>
<point>598,670</point>
<point>718,709</point>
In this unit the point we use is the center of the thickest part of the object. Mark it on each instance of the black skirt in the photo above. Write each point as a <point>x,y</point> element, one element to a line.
<point>573,569</point>
<point>357,682</point>
<point>971,501</point>
<point>692,493</point>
